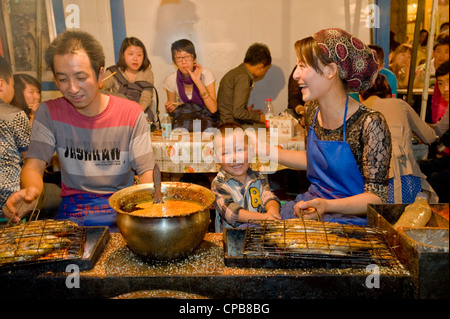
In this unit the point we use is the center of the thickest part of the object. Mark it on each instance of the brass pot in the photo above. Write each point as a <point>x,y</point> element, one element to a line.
<point>162,238</point>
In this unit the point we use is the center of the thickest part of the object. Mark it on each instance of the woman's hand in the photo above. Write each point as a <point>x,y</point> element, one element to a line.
<point>171,106</point>
<point>196,75</point>
<point>33,107</point>
<point>250,108</point>
<point>311,209</point>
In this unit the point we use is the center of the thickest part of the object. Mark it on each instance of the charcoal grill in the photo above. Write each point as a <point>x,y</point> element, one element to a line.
<point>307,243</point>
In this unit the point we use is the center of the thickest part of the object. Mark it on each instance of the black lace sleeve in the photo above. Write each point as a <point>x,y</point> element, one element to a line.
<point>376,154</point>
<point>370,141</point>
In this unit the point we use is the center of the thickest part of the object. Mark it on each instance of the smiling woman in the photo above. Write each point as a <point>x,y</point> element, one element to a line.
<point>348,146</point>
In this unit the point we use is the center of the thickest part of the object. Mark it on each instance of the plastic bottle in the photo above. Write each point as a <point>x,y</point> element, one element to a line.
<point>269,112</point>
<point>148,122</point>
<point>166,126</point>
<point>416,214</point>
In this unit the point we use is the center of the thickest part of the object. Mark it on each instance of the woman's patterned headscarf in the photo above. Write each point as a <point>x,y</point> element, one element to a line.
<point>357,63</point>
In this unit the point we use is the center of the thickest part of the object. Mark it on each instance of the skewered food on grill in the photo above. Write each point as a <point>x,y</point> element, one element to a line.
<point>301,238</point>
<point>29,241</point>
<point>318,237</point>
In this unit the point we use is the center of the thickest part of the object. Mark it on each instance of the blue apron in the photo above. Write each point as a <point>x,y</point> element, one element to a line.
<point>93,209</point>
<point>333,173</point>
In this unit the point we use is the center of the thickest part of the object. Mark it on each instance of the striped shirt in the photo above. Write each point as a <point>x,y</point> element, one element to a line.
<point>232,196</point>
<point>98,154</point>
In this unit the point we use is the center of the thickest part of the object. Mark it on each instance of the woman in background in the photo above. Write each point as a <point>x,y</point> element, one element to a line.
<point>133,75</point>
<point>27,94</point>
<point>405,177</point>
<point>191,90</point>
<point>400,64</point>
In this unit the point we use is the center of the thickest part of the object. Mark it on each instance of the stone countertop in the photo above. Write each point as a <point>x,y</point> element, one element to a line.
<point>119,273</point>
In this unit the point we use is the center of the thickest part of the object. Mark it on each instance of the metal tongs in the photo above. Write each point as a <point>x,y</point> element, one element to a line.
<point>157,198</point>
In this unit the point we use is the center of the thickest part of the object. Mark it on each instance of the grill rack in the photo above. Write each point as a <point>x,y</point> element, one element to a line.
<point>30,242</point>
<point>318,241</point>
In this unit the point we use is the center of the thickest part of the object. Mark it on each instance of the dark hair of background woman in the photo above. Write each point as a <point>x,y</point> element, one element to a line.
<point>20,83</point>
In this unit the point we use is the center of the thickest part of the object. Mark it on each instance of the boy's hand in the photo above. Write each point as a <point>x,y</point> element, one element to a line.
<point>273,211</point>
<point>272,216</point>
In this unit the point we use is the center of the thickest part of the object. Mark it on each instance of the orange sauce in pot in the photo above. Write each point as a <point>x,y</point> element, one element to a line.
<point>166,209</point>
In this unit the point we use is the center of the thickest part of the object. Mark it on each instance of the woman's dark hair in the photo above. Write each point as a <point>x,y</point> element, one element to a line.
<point>258,53</point>
<point>442,69</point>
<point>379,51</point>
<point>20,83</point>
<point>126,43</point>
<point>183,45</point>
<point>311,54</point>
<point>402,48</point>
<point>425,41</point>
<point>70,42</point>
<point>380,88</point>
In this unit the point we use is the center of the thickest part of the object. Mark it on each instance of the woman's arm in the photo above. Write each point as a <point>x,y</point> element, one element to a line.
<point>171,101</point>
<point>210,98</point>
<point>208,94</point>
<point>147,95</point>
<point>424,131</point>
<point>353,205</point>
<point>289,158</point>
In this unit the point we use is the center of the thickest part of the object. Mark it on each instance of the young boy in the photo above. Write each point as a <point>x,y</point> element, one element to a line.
<point>236,85</point>
<point>241,193</point>
<point>440,55</point>
<point>436,166</point>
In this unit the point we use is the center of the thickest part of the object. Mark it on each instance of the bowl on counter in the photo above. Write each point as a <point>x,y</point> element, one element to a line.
<point>168,237</point>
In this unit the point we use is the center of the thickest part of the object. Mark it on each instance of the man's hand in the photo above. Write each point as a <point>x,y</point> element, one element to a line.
<point>20,203</point>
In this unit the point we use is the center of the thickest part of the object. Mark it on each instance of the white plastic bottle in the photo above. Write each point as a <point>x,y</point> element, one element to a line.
<point>269,112</point>
<point>148,122</point>
<point>166,126</point>
<point>416,214</point>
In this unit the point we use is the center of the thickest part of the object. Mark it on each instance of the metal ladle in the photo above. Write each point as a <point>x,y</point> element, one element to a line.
<point>157,198</point>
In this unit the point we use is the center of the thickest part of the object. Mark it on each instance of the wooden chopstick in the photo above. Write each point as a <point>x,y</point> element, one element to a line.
<point>112,74</point>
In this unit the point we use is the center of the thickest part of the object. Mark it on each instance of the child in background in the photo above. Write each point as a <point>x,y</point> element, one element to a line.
<point>134,76</point>
<point>436,165</point>
<point>241,193</point>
